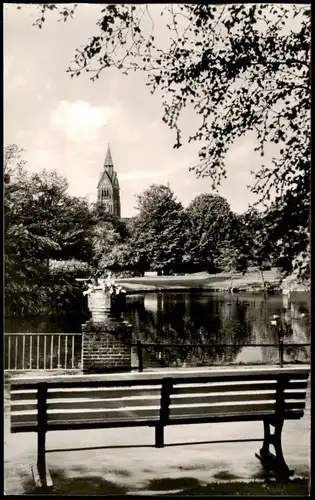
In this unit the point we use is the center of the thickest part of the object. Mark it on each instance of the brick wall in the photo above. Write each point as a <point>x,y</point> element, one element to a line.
<point>106,346</point>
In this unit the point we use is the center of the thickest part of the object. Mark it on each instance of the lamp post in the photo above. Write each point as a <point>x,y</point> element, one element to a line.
<point>276,321</point>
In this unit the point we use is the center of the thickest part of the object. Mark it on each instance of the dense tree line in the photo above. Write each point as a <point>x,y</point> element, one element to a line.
<point>207,235</point>
<point>51,238</point>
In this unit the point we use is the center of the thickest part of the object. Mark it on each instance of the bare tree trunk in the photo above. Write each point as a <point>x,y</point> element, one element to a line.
<point>263,280</point>
<point>231,285</point>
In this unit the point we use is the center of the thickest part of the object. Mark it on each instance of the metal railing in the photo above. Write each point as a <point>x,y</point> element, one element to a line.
<point>42,351</point>
<point>53,351</point>
<point>142,346</point>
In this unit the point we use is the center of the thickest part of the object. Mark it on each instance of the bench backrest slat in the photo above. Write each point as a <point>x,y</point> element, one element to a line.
<point>235,408</point>
<point>243,385</point>
<point>85,403</point>
<point>71,416</point>
<point>221,397</point>
<point>237,397</point>
<point>192,397</point>
<point>99,393</point>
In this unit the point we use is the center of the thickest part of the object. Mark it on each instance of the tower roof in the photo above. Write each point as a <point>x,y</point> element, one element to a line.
<point>108,159</point>
<point>109,172</point>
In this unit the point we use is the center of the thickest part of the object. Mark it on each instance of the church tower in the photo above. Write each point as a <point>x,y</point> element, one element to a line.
<point>108,187</point>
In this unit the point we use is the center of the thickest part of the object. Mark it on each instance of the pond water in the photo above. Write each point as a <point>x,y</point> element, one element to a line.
<point>210,320</point>
<point>224,328</point>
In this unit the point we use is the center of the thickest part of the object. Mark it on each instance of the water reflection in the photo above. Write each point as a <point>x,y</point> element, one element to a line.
<point>208,320</point>
<point>203,318</point>
<point>61,322</point>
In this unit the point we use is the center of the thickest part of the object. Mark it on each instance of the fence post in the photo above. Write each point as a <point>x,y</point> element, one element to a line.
<point>281,346</point>
<point>140,358</point>
<point>281,352</point>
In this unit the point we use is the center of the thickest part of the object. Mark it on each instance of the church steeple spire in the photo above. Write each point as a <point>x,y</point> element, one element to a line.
<point>108,186</point>
<point>108,159</point>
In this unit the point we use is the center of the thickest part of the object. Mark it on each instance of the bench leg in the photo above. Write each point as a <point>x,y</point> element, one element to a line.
<point>41,473</point>
<point>275,463</point>
<point>281,465</point>
<point>264,451</point>
<point>159,436</point>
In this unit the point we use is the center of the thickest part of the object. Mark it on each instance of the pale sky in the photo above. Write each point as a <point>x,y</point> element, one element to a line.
<point>66,123</point>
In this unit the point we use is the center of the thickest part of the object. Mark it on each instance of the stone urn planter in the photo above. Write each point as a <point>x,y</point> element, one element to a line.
<point>99,304</point>
<point>105,299</point>
<point>106,342</point>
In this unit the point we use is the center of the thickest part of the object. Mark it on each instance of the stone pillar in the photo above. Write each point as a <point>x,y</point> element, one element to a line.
<point>106,346</point>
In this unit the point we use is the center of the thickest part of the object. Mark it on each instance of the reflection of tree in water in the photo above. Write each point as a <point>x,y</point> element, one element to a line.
<point>53,322</point>
<point>296,326</point>
<point>202,318</point>
<point>262,330</point>
<point>190,319</point>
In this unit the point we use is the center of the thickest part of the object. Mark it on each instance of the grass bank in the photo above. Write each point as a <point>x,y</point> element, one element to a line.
<point>222,282</point>
<point>296,487</point>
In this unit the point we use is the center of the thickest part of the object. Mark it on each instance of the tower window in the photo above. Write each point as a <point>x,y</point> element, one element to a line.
<point>105,192</point>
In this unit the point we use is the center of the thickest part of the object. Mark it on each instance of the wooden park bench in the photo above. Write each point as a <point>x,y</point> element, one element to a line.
<point>158,399</point>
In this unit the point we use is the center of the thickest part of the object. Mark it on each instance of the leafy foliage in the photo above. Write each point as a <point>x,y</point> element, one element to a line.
<point>13,163</point>
<point>41,223</point>
<point>209,219</point>
<point>158,231</point>
<point>240,67</point>
<point>101,214</point>
<point>75,225</point>
<point>64,293</point>
<point>287,222</point>
<point>104,242</point>
<point>75,267</point>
